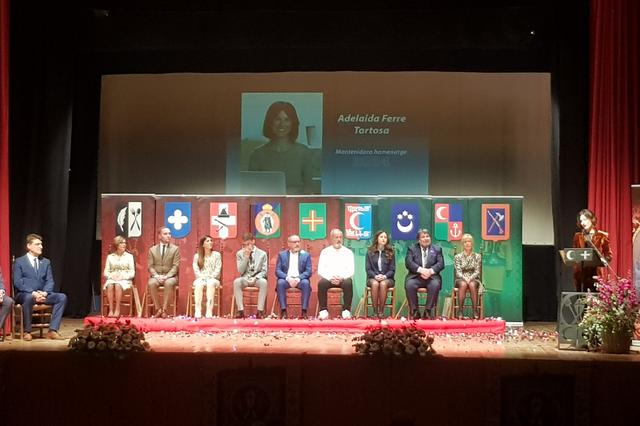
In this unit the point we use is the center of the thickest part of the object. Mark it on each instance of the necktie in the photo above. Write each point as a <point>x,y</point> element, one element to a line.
<point>425,253</point>
<point>163,250</point>
<point>35,264</point>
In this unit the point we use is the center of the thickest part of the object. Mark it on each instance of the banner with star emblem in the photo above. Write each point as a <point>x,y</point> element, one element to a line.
<point>223,220</point>
<point>405,221</point>
<point>266,220</point>
<point>312,218</point>
<point>177,217</point>
<point>448,222</point>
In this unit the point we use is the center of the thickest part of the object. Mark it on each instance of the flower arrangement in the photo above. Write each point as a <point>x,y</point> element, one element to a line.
<point>115,339</point>
<point>612,311</point>
<point>405,341</point>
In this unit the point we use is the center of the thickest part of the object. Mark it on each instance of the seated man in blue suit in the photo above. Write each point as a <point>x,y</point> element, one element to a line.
<point>33,281</point>
<point>293,270</point>
<point>424,262</point>
<point>5,303</point>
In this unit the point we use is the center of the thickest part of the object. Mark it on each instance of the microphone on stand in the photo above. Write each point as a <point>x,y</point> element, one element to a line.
<point>587,238</point>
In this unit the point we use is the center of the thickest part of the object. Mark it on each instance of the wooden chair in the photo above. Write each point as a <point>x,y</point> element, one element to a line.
<point>334,302</point>
<point>130,299</point>
<point>422,301</point>
<point>149,307</point>
<point>390,302</point>
<point>249,299</point>
<point>294,301</point>
<point>456,305</point>
<point>217,298</point>
<point>40,318</point>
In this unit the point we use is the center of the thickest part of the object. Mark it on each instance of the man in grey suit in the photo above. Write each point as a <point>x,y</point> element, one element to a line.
<point>164,262</point>
<point>252,267</point>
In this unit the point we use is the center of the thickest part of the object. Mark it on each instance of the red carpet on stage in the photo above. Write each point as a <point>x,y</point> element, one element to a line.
<point>309,326</point>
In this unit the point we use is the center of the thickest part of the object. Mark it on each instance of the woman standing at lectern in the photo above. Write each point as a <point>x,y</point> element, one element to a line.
<point>589,236</point>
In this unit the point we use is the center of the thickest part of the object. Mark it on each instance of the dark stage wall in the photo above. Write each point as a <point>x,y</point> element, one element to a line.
<point>208,389</point>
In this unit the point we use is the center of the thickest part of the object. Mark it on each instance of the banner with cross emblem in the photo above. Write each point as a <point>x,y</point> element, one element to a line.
<point>223,220</point>
<point>177,217</point>
<point>313,221</point>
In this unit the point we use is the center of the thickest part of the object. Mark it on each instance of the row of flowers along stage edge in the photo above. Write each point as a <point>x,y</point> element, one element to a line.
<point>117,339</point>
<point>404,341</point>
<point>610,317</point>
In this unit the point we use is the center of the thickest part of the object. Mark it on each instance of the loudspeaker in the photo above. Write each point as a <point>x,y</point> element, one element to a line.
<point>571,307</point>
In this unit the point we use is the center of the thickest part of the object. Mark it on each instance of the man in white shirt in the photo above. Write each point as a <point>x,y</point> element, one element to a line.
<point>336,269</point>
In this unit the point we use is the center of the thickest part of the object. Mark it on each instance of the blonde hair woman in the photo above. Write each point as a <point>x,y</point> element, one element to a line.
<point>467,266</point>
<point>119,271</point>
<point>207,265</point>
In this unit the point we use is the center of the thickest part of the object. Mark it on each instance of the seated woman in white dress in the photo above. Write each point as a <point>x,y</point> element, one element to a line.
<point>119,271</point>
<point>207,265</point>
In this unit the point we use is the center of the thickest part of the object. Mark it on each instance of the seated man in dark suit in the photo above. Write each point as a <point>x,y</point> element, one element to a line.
<point>33,281</point>
<point>424,262</point>
<point>293,274</point>
<point>6,303</point>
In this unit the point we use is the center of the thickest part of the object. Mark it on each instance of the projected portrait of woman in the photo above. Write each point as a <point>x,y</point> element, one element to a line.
<point>283,153</point>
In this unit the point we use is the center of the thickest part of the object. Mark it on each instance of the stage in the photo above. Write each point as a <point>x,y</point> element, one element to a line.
<point>313,325</point>
<point>312,377</point>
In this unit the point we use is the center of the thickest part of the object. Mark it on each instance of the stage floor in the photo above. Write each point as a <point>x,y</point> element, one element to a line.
<point>533,341</point>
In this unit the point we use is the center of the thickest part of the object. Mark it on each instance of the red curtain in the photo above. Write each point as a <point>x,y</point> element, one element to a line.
<point>4,142</point>
<point>614,154</point>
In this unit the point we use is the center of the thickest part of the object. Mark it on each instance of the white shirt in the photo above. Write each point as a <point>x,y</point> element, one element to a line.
<point>425,255</point>
<point>336,263</point>
<point>293,271</point>
<point>31,257</point>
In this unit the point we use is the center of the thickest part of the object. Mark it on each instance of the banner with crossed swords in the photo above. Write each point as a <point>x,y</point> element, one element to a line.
<point>496,222</point>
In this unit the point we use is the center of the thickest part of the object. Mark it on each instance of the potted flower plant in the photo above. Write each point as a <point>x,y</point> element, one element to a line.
<point>404,341</point>
<point>610,316</point>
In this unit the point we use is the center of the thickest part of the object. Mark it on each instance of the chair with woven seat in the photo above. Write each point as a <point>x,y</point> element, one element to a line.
<point>217,298</point>
<point>130,300</point>
<point>422,302</point>
<point>294,301</point>
<point>249,300</point>
<point>390,301</point>
<point>456,304</point>
<point>149,307</point>
<point>334,302</point>
<point>40,319</point>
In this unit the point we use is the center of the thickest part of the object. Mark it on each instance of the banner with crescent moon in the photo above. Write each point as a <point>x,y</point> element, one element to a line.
<point>357,221</point>
<point>405,221</point>
<point>448,222</point>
